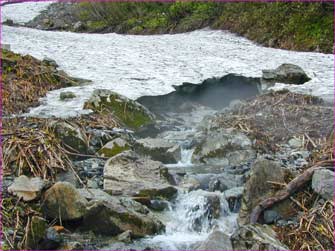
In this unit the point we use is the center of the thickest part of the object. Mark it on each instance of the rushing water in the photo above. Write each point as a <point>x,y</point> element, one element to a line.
<point>150,65</point>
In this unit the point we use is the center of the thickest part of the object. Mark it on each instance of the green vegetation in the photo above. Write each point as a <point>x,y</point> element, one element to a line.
<point>298,25</point>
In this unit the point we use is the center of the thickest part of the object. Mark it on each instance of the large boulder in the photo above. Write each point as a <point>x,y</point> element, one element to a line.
<point>286,73</point>
<point>257,188</point>
<point>158,149</point>
<point>127,111</point>
<point>217,240</point>
<point>71,135</point>
<point>129,174</point>
<point>256,237</point>
<point>227,147</point>
<point>63,201</point>
<point>116,216</point>
<point>323,183</point>
<point>114,147</point>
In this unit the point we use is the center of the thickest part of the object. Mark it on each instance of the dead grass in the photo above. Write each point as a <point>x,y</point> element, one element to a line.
<point>276,117</point>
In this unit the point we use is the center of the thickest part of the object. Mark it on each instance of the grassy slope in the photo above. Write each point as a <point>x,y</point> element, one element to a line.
<point>298,26</point>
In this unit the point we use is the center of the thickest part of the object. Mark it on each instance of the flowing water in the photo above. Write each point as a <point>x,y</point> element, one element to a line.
<point>150,65</point>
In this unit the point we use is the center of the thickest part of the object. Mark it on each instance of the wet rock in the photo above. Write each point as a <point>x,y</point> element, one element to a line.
<point>158,149</point>
<point>257,187</point>
<point>63,201</point>
<point>286,73</point>
<point>129,174</point>
<point>27,188</point>
<point>66,95</point>
<point>225,181</point>
<point>323,183</point>
<point>52,240</point>
<point>36,232</point>
<point>256,237</point>
<point>234,196</point>
<point>129,112</point>
<point>114,147</point>
<point>225,147</point>
<point>112,218</point>
<point>217,240</point>
<point>71,135</point>
<point>125,237</point>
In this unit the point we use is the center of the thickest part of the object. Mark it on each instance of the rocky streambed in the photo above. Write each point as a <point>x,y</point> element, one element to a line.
<point>220,165</point>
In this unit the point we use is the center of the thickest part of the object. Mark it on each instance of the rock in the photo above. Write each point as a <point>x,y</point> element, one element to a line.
<point>128,174</point>
<point>66,95</point>
<point>9,22</point>
<point>256,237</point>
<point>323,183</point>
<point>63,201</point>
<point>52,240</point>
<point>295,143</point>
<point>71,245</point>
<point>125,237</point>
<point>27,188</point>
<point>217,240</point>
<point>112,218</point>
<point>50,62</point>
<point>71,135</point>
<point>158,149</point>
<point>68,176</point>
<point>36,232</point>
<point>257,187</point>
<point>78,26</point>
<point>95,194</point>
<point>270,216</point>
<point>286,73</point>
<point>225,147</point>
<point>114,147</point>
<point>5,47</point>
<point>225,181</point>
<point>234,196</point>
<point>129,112</point>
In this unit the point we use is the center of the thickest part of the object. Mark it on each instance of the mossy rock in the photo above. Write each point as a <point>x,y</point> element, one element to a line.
<point>128,112</point>
<point>114,147</point>
<point>36,232</point>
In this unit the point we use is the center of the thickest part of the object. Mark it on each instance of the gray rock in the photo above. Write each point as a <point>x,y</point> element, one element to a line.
<point>68,176</point>
<point>323,183</point>
<point>257,187</point>
<point>225,181</point>
<point>286,73</point>
<point>114,147</point>
<point>295,143</point>
<point>113,217</point>
<point>26,188</point>
<point>50,62</point>
<point>225,147</point>
<point>217,240</point>
<point>128,174</point>
<point>158,149</point>
<point>78,26</point>
<point>271,216</point>
<point>5,47</point>
<point>66,95</point>
<point>63,201</point>
<point>256,237</point>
